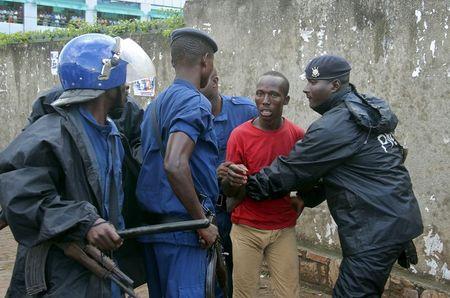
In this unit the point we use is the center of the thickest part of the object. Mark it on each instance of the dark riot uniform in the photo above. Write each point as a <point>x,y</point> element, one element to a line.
<point>128,120</point>
<point>52,186</point>
<point>45,195</point>
<point>351,148</point>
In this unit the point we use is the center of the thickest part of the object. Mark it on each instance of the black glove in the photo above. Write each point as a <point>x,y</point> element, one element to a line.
<point>313,196</point>
<point>253,189</point>
<point>408,255</point>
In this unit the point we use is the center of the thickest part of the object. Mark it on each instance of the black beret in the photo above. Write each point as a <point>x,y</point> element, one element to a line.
<point>177,33</point>
<point>327,67</point>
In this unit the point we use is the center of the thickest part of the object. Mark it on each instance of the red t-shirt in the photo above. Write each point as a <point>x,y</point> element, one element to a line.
<point>256,148</point>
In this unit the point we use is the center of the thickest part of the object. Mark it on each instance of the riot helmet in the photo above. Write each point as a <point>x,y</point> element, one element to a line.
<point>92,63</point>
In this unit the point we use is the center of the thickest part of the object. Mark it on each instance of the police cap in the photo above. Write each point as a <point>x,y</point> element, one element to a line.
<point>327,67</point>
<point>193,32</point>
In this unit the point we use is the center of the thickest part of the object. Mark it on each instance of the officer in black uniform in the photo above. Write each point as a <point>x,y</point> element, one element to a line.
<point>352,151</point>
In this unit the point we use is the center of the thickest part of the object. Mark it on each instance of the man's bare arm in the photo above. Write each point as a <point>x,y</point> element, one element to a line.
<point>176,164</point>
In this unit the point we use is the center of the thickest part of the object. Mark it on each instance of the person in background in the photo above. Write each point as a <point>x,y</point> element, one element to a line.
<point>229,112</point>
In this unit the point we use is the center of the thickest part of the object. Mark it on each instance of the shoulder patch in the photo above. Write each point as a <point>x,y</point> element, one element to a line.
<point>241,100</point>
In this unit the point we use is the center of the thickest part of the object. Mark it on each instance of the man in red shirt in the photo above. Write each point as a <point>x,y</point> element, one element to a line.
<point>264,229</point>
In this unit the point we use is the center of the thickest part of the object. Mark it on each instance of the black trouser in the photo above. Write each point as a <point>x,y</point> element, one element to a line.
<point>365,274</point>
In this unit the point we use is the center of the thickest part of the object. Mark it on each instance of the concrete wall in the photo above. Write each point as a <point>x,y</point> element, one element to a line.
<point>399,50</point>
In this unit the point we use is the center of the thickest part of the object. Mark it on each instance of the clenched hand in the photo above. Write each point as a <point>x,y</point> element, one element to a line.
<point>237,175</point>
<point>297,204</point>
<point>103,235</point>
<point>222,170</point>
<point>208,236</point>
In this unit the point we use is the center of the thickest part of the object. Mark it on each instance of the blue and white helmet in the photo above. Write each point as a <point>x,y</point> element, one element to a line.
<point>92,63</point>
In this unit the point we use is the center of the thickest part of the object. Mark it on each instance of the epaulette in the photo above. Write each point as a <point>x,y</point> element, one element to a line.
<point>241,100</point>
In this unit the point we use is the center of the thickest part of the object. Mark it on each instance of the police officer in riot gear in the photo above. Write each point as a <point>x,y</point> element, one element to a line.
<point>61,179</point>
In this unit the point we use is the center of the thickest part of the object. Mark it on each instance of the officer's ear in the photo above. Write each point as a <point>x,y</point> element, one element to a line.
<point>216,80</point>
<point>335,86</point>
<point>206,60</point>
<point>286,99</point>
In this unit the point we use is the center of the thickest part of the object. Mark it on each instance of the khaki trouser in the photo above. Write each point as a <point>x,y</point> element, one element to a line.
<point>278,247</point>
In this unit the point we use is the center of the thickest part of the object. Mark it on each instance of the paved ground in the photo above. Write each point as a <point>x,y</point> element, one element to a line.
<point>264,291</point>
<point>8,250</point>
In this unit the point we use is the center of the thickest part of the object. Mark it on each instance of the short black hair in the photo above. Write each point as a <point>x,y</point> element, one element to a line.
<point>284,85</point>
<point>189,50</point>
<point>345,79</point>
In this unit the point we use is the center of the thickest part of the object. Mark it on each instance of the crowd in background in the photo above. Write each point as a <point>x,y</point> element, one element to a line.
<point>47,18</point>
<point>50,18</point>
<point>11,15</point>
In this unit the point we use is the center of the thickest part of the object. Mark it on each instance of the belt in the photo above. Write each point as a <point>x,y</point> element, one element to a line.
<point>222,202</point>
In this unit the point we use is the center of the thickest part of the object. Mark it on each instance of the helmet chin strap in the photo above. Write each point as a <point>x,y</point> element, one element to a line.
<point>110,63</point>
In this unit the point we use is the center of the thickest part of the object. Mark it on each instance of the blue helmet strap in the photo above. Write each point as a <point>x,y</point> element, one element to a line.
<point>110,63</point>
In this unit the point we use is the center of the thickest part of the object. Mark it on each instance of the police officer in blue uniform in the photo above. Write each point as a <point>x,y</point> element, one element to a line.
<point>229,112</point>
<point>178,175</point>
<point>353,151</point>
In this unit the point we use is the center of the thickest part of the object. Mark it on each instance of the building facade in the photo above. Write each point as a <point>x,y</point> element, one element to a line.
<point>32,15</point>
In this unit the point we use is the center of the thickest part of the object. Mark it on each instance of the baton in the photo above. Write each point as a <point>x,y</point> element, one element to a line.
<point>164,228</point>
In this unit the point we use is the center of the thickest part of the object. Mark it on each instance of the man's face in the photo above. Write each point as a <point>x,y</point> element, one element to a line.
<point>270,97</point>
<point>207,66</point>
<point>118,96</point>
<point>318,91</point>
<point>211,90</point>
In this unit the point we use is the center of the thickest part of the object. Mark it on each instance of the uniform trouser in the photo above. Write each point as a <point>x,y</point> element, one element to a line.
<point>277,247</point>
<point>365,274</point>
<point>224,226</point>
<point>175,270</point>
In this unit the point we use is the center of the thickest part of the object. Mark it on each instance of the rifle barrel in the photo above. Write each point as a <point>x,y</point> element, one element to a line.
<point>164,228</point>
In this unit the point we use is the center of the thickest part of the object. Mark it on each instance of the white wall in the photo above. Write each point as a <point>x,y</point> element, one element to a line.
<point>10,28</point>
<point>43,28</point>
<point>176,3</point>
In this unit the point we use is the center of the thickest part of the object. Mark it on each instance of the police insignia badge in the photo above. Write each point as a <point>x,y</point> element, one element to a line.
<point>315,72</point>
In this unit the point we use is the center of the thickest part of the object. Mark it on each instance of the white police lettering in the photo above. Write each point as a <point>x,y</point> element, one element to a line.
<point>387,141</point>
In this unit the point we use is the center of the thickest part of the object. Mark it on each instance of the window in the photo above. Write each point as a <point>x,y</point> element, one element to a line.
<point>57,16</point>
<point>11,12</point>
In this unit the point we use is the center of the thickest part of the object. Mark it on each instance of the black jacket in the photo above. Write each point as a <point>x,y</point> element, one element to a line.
<point>129,256</point>
<point>352,151</point>
<point>128,121</point>
<point>50,190</point>
<point>42,104</point>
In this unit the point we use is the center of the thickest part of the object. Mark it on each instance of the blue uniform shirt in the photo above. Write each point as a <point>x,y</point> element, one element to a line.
<point>179,108</point>
<point>235,111</point>
<point>105,140</point>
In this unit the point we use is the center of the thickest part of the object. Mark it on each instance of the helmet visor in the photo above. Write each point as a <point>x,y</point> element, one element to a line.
<point>139,66</point>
